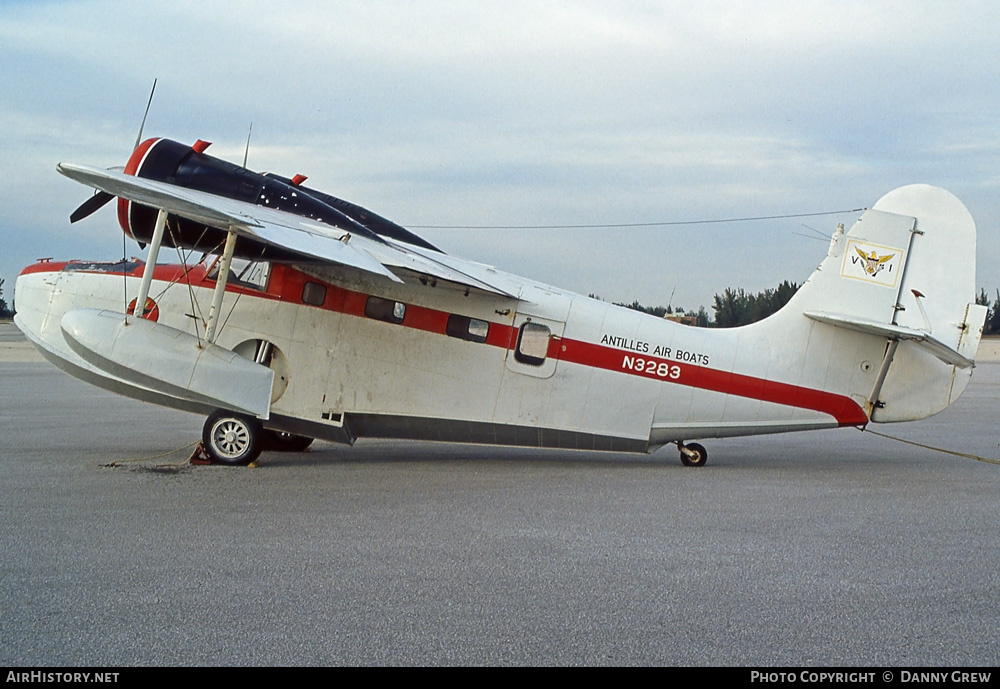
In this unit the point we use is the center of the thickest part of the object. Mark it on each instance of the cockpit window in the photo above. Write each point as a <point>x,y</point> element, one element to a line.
<point>252,274</point>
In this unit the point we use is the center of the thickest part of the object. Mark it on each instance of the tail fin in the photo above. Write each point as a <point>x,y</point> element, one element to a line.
<point>906,272</point>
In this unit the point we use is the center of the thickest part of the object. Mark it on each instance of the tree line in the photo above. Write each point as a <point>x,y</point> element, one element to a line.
<point>4,311</point>
<point>737,307</point>
<point>734,307</point>
<point>992,326</point>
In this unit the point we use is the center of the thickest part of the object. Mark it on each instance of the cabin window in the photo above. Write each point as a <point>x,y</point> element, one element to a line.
<point>532,344</point>
<point>385,310</point>
<point>466,328</point>
<point>314,293</point>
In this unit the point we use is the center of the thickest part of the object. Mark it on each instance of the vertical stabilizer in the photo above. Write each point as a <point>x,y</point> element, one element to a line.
<point>906,273</point>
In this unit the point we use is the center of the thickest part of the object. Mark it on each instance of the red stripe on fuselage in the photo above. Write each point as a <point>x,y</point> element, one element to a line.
<point>845,410</point>
<point>286,285</point>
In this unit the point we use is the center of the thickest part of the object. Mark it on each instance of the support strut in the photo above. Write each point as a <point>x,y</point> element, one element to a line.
<point>883,371</point>
<point>147,272</point>
<point>220,287</point>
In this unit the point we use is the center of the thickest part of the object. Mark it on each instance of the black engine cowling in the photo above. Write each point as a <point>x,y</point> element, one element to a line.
<point>188,166</point>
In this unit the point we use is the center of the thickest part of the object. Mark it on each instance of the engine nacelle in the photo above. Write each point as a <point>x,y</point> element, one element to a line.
<point>186,166</point>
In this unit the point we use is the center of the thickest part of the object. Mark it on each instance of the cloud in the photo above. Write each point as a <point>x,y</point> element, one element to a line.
<point>454,113</point>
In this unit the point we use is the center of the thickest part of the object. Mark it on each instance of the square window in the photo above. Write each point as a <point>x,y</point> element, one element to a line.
<point>532,344</point>
<point>314,293</point>
<point>385,310</point>
<point>466,328</point>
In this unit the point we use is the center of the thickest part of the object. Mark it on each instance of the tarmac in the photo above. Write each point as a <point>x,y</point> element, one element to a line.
<point>833,548</point>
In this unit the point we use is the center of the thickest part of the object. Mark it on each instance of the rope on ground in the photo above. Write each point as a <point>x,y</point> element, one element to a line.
<point>119,462</point>
<point>931,447</point>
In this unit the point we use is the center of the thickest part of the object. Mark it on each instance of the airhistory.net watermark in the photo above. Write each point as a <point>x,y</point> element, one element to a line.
<point>62,677</point>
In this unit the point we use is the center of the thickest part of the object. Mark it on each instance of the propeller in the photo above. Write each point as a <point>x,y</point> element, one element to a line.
<point>90,205</point>
<point>100,198</point>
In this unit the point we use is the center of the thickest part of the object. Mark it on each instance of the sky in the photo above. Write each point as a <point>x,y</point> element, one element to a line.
<point>522,114</point>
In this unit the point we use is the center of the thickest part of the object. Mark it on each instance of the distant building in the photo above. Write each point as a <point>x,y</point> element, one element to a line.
<point>682,318</point>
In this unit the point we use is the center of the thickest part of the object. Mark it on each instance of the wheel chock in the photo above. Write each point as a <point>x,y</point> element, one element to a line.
<point>199,456</point>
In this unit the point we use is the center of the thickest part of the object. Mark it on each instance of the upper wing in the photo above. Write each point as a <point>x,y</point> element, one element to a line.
<point>311,239</point>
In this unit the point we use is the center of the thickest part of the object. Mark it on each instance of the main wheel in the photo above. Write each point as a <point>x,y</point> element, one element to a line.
<point>231,438</point>
<point>698,458</point>
<point>280,441</point>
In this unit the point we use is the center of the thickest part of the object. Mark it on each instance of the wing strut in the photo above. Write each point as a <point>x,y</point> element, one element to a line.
<point>883,371</point>
<point>147,272</point>
<point>220,286</point>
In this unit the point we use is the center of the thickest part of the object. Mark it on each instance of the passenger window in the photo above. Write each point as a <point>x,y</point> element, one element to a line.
<point>532,344</point>
<point>385,310</point>
<point>466,328</point>
<point>314,293</point>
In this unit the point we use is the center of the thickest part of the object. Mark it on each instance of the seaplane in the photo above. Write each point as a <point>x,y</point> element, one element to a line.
<point>308,316</point>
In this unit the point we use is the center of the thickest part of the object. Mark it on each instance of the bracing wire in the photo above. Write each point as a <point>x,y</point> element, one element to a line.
<point>666,223</point>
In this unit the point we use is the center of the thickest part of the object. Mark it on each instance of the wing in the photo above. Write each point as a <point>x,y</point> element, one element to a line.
<point>340,244</point>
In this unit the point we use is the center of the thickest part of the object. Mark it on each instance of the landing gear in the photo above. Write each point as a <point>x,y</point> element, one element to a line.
<point>693,454</point>
<point>280,441</point>
<point>232,439</point>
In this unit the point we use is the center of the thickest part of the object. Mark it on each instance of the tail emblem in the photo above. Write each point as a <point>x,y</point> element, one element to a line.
<point>873,264</point>
<point>870,262</point>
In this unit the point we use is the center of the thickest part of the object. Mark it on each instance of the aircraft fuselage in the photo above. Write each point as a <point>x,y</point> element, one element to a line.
<point>357,356</point>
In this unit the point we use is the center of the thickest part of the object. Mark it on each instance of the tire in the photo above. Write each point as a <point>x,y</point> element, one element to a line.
<point>280,441</point>
<point>699,460</point>
<point>231,439</point>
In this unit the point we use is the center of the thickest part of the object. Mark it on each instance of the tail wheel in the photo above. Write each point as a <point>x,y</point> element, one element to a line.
<point>231,438</point>
<point>280,441</point>
<point>693,455</point>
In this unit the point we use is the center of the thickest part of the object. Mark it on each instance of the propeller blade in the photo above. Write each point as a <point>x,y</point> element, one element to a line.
<point>90,205</point>
<point>100,198</point>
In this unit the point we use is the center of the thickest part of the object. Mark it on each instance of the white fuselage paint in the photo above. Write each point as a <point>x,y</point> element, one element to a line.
<point>604,377</point>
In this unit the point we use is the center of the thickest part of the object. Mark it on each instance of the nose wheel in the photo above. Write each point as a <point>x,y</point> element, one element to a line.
<point>692,454</point>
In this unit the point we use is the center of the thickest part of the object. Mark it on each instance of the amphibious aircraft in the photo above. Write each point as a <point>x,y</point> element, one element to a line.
<point>312,317</point>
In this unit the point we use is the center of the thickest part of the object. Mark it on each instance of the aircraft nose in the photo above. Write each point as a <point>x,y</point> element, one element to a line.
<point>31,299</point>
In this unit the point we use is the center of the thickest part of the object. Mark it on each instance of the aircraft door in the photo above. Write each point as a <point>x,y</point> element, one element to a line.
<point>535,345</point>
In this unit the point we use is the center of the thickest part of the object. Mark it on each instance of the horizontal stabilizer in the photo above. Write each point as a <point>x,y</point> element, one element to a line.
<point>157,356</point>
<point>896,332</point>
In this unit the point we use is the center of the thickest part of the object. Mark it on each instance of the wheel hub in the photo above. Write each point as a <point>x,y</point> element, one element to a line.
<point>231,438</point>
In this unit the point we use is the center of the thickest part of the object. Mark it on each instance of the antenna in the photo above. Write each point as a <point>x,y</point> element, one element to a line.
<point>138,139</point>
<point>246,153</point>
<point>818,234</point>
